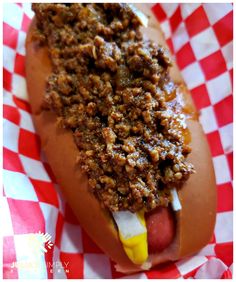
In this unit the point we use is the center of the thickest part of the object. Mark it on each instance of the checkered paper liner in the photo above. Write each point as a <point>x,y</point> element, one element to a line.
<point>200,37</point>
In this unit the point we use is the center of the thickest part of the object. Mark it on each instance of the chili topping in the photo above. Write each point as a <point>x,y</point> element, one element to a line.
<point>112,89</point>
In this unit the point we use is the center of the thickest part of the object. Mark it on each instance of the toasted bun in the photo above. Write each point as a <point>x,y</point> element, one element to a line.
<point>195,222</point>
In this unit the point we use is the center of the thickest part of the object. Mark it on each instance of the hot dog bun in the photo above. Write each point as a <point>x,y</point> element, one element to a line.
<point>195,222</point>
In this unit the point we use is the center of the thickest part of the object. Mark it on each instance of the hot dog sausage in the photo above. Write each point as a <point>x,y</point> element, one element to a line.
<point>160,229</point>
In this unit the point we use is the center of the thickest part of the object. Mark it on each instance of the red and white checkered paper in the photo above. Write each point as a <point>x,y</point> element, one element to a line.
<point>200,37</point>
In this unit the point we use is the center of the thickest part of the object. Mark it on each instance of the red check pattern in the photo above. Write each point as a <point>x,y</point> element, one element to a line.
<point>201,39</point>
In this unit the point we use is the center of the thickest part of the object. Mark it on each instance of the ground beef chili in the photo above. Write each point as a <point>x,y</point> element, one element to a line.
<point>112,89</point>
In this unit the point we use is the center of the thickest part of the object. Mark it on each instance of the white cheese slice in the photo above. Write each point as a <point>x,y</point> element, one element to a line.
<point>142,18</point>
<point>128,224</point>
<point>176,205</point>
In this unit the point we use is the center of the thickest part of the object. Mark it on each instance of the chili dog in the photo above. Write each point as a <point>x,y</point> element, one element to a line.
<point>144,191</point>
